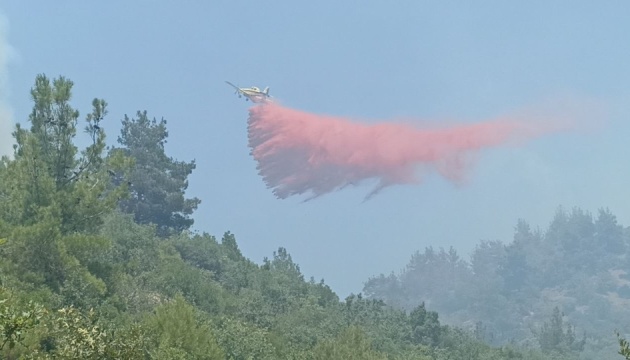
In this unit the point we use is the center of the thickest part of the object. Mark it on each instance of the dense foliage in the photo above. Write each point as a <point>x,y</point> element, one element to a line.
<point>564,290</point>
<point>157,182</point>
<point>81,279</point>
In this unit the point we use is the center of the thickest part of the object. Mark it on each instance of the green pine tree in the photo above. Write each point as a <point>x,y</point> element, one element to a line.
<point>158,182</point>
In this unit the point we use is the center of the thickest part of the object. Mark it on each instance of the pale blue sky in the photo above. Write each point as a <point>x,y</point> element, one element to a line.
<point>370,60</point>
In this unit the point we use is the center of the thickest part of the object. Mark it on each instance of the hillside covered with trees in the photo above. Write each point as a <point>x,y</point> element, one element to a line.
<point>564,289</point>
<point>98,262</point>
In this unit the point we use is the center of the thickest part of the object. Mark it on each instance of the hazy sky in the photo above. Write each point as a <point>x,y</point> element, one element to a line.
<point>6,121</point>
<point>378,61</point>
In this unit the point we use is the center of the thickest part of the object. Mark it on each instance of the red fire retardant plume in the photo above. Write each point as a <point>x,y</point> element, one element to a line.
<point>302,153</point>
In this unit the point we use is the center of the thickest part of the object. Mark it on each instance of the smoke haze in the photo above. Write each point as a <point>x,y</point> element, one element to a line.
<point>303,153</point>
<point>6,124</point>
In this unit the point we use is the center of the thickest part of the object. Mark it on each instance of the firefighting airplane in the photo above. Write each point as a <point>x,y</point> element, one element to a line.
<point>252,93</point>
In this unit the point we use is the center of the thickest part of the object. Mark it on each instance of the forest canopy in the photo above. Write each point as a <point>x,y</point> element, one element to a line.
<point>98,262</point>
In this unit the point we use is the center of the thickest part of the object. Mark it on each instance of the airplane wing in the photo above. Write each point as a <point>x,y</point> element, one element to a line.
<point>238,89</point>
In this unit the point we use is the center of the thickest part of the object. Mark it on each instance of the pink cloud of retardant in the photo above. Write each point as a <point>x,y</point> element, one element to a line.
<point>303,153</point>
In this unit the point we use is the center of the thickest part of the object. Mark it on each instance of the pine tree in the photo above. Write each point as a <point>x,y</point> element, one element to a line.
<point>158,182</point>
<point>54,197</point>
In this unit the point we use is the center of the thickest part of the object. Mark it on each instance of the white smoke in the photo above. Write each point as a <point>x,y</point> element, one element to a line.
<point>6,122</point>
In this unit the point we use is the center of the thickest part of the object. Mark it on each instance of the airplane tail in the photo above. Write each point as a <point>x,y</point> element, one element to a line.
<point>266,91</point>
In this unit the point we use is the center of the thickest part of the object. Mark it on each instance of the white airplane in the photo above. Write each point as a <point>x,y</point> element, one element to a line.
<point>251,93</point>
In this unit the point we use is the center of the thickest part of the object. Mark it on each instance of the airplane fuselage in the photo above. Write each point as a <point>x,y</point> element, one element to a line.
<point>252,93</point>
